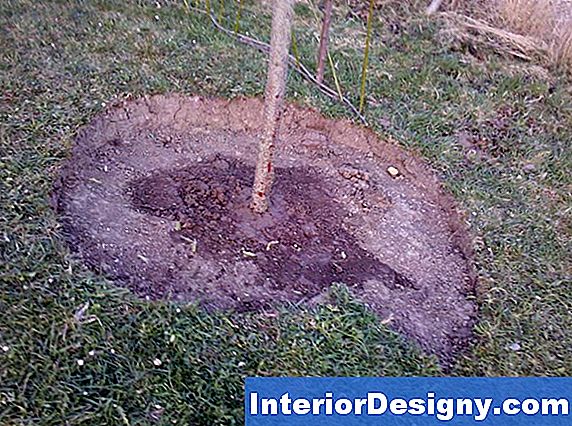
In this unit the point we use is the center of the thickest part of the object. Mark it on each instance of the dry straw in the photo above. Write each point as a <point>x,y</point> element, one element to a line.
<point>529,29</point>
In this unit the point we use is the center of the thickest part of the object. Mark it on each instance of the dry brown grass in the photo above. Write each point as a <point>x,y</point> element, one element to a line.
<point>529,29</point>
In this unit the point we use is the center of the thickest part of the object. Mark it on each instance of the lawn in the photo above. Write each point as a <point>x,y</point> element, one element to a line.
<point>75,349</point>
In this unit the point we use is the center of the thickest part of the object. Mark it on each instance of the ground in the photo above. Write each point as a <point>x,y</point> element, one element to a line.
<point>156,196</point>
<point>77,350</point>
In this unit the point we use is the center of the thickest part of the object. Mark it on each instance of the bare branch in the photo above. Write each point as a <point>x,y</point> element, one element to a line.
<point>324,37</point>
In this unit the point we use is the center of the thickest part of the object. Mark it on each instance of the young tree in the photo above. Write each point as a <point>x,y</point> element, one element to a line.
<point>324,36</point>
<point>282,15</point>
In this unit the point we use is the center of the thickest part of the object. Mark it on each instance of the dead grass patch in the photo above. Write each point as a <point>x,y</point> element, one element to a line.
<point>539,30</point>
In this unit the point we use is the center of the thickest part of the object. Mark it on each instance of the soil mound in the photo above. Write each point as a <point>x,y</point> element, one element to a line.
<point>156,194</point>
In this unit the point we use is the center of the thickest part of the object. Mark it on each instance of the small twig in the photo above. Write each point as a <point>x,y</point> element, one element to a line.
<point>299,68</point>
<point>80,313</point>
<point>433,7</point>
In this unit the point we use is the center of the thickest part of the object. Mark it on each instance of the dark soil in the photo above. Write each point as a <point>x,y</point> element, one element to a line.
<point>156,192</point>
<point>299,245</point>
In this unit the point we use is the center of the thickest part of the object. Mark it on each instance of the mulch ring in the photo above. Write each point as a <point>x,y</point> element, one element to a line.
<point>155,195</point>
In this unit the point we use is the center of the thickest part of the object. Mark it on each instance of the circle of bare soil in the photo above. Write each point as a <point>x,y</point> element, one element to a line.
<point>155,195</point>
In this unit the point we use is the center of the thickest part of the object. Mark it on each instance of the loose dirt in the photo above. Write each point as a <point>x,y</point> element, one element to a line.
<point>155,195</point>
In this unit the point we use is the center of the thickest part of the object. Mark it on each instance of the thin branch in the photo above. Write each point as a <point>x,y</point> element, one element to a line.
<point>299,68</point>
<point>366,56</point>
<point>324,37</point>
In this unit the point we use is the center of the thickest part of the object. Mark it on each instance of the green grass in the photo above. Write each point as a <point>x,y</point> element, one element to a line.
<point>62,62</point>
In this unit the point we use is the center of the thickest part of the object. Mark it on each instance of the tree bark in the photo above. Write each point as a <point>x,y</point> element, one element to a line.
<point>324,38</point>
<point>273,102</point>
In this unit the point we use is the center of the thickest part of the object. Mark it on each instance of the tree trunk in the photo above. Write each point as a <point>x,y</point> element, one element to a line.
<point>324,36</point>
<point>273,101</point>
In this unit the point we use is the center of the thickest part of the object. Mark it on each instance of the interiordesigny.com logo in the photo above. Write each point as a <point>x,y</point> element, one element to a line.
<point>377,403</point>
<point>419,401</point>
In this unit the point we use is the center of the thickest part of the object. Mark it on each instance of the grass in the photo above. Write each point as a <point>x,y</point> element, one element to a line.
<point>495,131</point>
